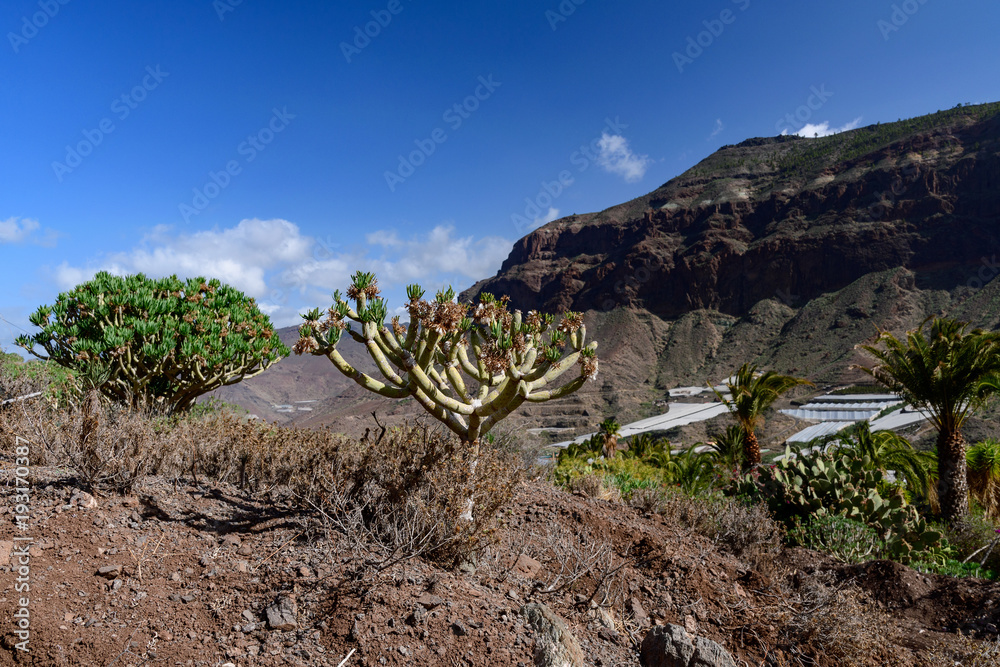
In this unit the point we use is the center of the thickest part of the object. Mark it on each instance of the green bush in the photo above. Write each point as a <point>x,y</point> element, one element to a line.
<point>845,539</point>
<point>954,568</point>
<point>972,538</point>
<point>145,341</point>
<point>650,465</point>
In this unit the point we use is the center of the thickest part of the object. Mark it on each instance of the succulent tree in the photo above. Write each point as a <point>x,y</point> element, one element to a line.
<point>751,393</point>
<point>164,341</point>
<point>947,374</point>
<point>510,358</point>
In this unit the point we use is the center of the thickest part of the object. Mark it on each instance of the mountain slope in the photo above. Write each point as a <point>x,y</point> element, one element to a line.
<point>785,251</point>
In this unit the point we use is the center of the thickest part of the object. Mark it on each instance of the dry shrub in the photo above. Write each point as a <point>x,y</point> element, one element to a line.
<point>646,499</point>
<point>107,446</point>
<point>413,480</point>
<point>967,652</point>
<point>821,622</point>
<point>592,486</point>
<point>256,456</point>
<point>746,531</point>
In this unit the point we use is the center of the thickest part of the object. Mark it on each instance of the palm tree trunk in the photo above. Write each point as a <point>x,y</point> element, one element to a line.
<point>953,483</point>
<point>751,450</point>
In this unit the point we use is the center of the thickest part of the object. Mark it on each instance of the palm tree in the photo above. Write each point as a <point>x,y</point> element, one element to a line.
<point>609,432</point>
<point>751,393</point>
<point>641,444</point>
<point>947,375</point>
<point>888,450</point>
<point>728,447</point>
<point>984,476</point>
<point>691,470</point>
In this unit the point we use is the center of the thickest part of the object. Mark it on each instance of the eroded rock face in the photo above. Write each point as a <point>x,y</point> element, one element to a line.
<point>672,646</point>
<point>555,645</point>
<point>786,219</point>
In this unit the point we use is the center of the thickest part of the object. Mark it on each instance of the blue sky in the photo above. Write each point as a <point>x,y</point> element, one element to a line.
<point>280,146</point>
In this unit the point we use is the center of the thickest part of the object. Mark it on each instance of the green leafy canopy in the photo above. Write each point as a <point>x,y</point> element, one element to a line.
<point>156,340</point>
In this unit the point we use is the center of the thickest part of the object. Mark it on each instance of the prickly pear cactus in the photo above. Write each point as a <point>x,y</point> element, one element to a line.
<point>822,483</point>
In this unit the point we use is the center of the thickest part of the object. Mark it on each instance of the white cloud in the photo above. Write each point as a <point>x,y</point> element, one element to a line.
<point>438,253</point>
<point>239,256</point>
<point>553,214</point>
<point>17,230</point>
<point>824,130</point>
<point>719,127</point>
<point>288,272</point>
<point>617,158</point>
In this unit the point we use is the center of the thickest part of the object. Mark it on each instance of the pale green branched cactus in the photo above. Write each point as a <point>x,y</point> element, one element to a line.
<point>510,358</point>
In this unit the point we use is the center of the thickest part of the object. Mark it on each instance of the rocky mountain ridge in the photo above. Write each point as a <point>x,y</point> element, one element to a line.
<point>782,251</point>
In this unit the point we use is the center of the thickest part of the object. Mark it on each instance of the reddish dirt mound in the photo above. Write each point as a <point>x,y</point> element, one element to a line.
<point>194,568</point>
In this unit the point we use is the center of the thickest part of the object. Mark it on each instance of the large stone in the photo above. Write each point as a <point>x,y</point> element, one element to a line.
<point>282,614</point>
<point>555,645</point>
<point>672,646</point>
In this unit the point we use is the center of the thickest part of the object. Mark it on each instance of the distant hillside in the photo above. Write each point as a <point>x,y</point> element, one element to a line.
<point>783,251</point>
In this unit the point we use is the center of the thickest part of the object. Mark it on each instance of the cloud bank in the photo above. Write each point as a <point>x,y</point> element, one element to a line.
<point>288,272</point>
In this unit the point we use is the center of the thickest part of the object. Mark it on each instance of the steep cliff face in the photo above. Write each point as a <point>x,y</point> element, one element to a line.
<point>784,251</point>
<point>789,219</point>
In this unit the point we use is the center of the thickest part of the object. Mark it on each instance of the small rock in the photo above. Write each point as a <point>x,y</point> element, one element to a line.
<point>305,572</point>
<point>638,613</point>
<point>231,540</point>
<point>242,566</point>
<point>417,617</point>
<point>555,645</point>
<point>429,601</point>
<point>116,584</point>
<point>459,629</point>
<point>690,624</point>
<point>672,646</point>
<point>249,615</point>
<point>83,500</point>
<point>282,614</point>
<point>527,566</point>
<point>110,571</point>
<point>245,550</point>
<point>6,548</point>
